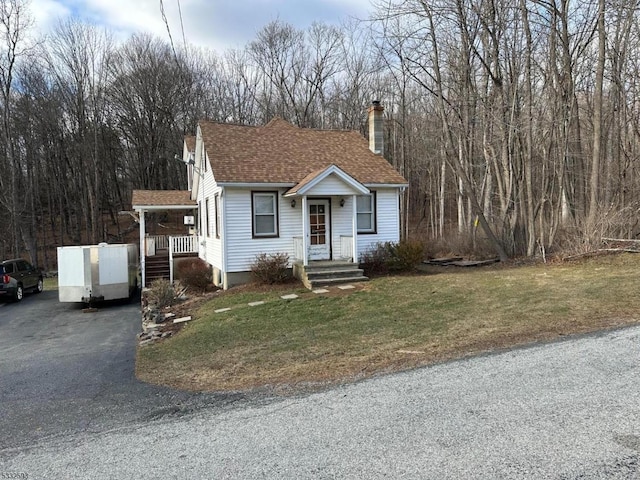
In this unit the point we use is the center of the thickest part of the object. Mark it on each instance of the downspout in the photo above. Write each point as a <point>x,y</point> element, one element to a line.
<point>223,240</point>
<point>403,201</point>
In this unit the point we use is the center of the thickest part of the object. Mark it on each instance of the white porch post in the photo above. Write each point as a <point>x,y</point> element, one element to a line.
<point>305,232</point>
<point>143,234</point>
<point>354,228</point>
<point>171,259</point>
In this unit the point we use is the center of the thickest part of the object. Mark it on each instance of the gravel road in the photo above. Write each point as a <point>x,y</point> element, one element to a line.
<point>565,410</point>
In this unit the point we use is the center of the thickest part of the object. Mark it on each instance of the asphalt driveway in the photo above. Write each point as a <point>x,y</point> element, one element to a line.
<point>63,371</point>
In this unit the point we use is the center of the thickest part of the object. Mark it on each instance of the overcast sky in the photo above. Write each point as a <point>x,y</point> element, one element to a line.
<point>217,24</point>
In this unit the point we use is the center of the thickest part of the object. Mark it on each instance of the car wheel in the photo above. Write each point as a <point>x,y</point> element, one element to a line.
<point>19,293</point>
<point>39,287</point>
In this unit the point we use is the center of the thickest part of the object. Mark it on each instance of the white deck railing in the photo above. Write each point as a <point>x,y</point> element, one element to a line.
<point>156,242</point>
<point>346,246</point>
<point>183,244</point>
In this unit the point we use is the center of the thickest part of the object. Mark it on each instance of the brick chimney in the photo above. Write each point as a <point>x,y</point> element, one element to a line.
<point>376,143</point>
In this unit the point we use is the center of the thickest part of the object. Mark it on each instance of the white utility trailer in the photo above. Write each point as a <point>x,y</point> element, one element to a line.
<point>89,273</point>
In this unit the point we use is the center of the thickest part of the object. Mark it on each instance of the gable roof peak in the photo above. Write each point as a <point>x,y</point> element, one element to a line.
<point>277,121</point>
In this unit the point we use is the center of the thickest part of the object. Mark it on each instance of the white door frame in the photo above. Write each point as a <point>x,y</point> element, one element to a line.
<point>318,251</point>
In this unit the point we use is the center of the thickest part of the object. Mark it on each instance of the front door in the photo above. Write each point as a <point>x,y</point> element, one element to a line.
<point>319,234</point>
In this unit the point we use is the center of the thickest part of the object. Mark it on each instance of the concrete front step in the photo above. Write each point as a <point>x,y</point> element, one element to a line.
<point>330,265</point>
<point>334,273</point>
<point>325,282</point>
<point>324,273</point>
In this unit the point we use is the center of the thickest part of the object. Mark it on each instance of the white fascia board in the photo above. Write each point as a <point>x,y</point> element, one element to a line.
<point>148,208</point>
<point>196,176</point>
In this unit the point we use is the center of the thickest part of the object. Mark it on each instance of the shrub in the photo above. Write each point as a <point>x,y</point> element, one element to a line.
<point>161,293</point>
<point>405,255</point>
<point>392,256</point>
<point>271,268</point>
<point>194,272</point>
<point>376,260</point>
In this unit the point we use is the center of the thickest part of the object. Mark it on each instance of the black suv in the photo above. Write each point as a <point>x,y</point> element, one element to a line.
<point>18,275</point>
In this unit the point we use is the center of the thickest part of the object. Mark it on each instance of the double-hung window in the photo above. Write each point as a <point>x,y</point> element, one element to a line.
<point>207,224</point>
<point>265,214</point>
<point>366,209</point>
<point>216,206</point>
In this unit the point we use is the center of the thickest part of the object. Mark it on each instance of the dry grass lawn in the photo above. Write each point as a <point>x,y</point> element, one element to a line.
<point>390,324</point>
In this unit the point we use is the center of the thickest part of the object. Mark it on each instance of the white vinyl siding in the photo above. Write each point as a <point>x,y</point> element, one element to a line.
<point>242,246</point>
<point>210,249</point>
<point>330,186</point>
<point>387,220</point>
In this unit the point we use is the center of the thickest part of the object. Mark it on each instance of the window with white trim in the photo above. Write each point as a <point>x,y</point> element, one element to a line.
<point>216,205</point>
<point>206,207</point>
<point>366,210</point>
<point>200,218</point>
<point>264,207</point>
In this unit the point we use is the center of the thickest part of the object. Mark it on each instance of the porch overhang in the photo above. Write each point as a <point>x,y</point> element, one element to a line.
<point>312,182</point>
<point>143,201</point>
<point>148,200</point>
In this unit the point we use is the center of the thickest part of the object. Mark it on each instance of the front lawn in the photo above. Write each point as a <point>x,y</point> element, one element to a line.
<point>390,323</point>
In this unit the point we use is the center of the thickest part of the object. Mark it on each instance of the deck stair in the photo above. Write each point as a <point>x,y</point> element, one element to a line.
<point>156,266</point>
<point>325,273</point>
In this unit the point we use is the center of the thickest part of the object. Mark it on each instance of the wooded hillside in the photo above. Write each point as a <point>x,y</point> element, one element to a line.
<point>516,122</point>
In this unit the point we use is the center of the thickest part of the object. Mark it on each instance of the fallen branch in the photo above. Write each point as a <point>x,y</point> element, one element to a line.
<point>600,251</point>
<point>631,240</point>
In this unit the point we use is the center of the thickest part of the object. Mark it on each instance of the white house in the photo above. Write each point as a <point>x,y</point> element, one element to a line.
<point>317,195</point>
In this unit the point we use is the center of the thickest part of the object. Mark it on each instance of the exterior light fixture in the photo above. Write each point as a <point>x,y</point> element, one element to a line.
<point>342,202</point>
<point>293,203</point>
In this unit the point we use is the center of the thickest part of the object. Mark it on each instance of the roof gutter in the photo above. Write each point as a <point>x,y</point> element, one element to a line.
<point>386,185</point>
<point>256,185</point>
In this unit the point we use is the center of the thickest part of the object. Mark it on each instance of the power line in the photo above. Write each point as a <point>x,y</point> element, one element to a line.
<point>166,22</point>
<point>184,39</point>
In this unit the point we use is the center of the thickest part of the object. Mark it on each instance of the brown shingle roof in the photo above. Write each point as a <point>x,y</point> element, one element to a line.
<point>161,198</point>
<point>282,153</point>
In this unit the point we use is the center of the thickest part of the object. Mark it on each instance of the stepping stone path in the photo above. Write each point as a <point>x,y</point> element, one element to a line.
<point>181,320</point>
<point>291,296</point>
